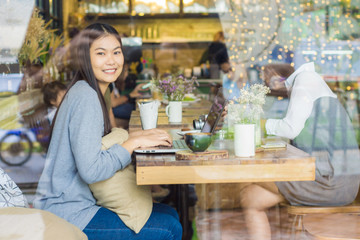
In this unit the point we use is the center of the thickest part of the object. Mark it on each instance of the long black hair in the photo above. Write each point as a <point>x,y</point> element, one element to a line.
<point>80,56</point>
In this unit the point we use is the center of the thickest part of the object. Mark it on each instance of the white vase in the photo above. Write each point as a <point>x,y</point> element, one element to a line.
<point>244,140</point>
<point>258,134</point>
<point>174,111</point>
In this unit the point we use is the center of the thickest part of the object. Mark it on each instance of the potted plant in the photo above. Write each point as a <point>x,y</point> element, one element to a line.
<point>174,89</point>
<point>244,114</point>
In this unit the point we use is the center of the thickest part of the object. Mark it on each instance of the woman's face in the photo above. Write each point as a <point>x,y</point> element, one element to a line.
<point>107,60</point>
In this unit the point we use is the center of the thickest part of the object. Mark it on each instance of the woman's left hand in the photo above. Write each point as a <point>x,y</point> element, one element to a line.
<point>147,138</point>
<point>135,93</point>
<point>146,132</point>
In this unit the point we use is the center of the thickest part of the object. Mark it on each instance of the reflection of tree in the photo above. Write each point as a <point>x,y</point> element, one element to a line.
<point>328,134</point>
<point>39,46</point>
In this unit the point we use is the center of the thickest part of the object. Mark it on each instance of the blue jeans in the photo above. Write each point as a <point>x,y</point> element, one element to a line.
<point>163,224</point>
<point>124,110</point>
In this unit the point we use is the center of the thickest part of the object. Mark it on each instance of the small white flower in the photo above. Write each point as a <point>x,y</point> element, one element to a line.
<point>248,107</point>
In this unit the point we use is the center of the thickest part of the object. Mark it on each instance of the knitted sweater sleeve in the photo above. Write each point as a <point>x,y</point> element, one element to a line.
<point>86,129</point>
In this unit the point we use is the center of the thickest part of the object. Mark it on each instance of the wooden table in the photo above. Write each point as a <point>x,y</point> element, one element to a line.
<point>186,112</point>
<point>287,164</point>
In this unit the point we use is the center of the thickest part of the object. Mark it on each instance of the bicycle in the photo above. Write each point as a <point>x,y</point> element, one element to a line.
<point>16,146</point>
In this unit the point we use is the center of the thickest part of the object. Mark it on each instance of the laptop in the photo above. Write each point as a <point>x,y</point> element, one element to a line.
<point>209,127</point>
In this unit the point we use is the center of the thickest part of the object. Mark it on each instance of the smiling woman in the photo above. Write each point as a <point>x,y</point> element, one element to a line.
<point>107,60</point>
<point>75,158</point>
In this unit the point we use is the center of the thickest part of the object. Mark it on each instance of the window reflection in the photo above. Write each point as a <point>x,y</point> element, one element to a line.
<point>107,6</point>
<point>156,6</point>
<point>204,6</point>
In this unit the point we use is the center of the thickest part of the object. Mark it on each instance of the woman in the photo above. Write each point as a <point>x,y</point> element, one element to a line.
<point>317,123</point>
<point>75,158</point>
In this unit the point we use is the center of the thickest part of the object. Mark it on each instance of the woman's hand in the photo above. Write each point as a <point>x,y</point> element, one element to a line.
<point>146,132</point>
<point>147,138</point>
<point>135,93</point>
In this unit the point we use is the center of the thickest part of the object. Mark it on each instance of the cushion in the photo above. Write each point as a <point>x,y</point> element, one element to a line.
<point>31,223</point>
<point>120,194</point>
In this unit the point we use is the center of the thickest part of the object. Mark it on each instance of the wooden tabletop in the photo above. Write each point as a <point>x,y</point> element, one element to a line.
<point>185,112</point>
<point>287,164</point>
<point>191,111</point>
<point>162,123</point>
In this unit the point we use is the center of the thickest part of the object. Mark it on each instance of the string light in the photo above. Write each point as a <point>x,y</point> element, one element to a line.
<point>253,35</point>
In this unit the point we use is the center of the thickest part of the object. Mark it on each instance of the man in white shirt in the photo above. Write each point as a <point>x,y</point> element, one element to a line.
<point>318,124</point>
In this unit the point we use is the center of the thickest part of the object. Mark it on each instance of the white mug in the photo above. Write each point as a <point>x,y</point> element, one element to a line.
<point>174,111</point>
<point>148,115</point>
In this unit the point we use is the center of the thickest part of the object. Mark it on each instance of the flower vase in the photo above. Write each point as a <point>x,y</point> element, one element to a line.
<point>244,140</point>
<point>174,111</point>
<point>257,133</point>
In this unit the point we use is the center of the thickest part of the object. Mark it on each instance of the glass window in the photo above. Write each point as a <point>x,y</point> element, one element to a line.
<point>204,6</point>
<point>156,6</point>
<point>40,4</point>
<point>52,10</point>
<point>107,6</point>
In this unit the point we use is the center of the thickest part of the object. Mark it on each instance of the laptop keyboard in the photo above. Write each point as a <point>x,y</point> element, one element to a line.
<point>179,144</point>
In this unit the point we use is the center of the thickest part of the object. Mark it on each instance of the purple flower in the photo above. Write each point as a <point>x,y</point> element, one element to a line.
<point>175,87</point>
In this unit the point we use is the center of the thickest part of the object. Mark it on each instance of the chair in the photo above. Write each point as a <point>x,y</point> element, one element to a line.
<point>298,213</point>
<point>36,119</point>
<point>332,226</point>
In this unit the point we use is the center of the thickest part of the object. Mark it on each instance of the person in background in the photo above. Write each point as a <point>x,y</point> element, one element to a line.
<point>75,159</point>
<point>216,55</point>
<point>216,52</point>
<point>53,94</point>
<point>123,105</point>
<point>314,122</point>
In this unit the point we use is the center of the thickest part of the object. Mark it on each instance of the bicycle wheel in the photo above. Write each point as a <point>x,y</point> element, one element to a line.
<point>15,149</point>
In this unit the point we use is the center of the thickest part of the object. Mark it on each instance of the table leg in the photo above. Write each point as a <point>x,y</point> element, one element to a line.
<point>182,205</point>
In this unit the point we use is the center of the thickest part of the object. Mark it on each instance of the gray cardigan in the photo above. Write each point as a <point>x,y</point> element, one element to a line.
<point>75,159</point>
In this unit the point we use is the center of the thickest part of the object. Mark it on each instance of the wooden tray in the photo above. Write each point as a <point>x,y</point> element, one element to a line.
<point>207,155</point>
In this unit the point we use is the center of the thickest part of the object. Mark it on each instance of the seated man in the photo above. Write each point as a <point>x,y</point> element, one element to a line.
<point>316,123</point>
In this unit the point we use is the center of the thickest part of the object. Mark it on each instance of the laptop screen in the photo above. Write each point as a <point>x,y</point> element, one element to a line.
<point>215,112</point>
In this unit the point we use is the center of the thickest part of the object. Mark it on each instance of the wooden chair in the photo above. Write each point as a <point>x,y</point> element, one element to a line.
<point>298,213</point>
<point>36,119</point>
<point>333,226</point>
